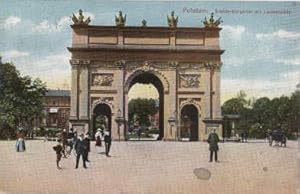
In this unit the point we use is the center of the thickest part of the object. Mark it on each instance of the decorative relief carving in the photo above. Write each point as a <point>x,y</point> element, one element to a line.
<point>120,64</point>
<point>186,101</point>
<point>102,79</point>
<point>148,68</point>
<point>148,65</point>
<point>102,100</point>
<point>189,80</point>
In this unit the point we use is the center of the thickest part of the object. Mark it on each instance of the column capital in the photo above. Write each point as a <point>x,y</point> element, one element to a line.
<point>80,62</point>
<point>120,64</point>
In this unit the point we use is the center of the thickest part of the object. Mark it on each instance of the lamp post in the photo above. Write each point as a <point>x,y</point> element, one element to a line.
<point>119,120</point>
<point>172,122</point>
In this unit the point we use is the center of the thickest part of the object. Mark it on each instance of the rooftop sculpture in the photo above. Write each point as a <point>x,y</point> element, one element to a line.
<point>80,19</point>
<point>172,20</point>
<point>144,23</point>
<point>212,23</point>
<point>120,19</point>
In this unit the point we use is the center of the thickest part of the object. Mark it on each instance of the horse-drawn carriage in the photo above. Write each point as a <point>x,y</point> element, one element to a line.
<point>279,137</point>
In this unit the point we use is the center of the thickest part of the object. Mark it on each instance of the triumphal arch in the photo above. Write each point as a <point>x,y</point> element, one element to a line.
<point>183,63</point>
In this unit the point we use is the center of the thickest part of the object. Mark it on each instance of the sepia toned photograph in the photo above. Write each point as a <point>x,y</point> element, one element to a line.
<point>149,97</point>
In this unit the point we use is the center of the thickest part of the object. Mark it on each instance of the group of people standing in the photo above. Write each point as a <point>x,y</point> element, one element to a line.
<point>81,144</point>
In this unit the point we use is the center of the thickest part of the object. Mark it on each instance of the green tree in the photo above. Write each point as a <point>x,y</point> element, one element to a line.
<point>238,106</point>
<point>281,111</point>
<point>261,116</point>
<point>294,117</point>
<point>140,109</point>
<point>20,100</point>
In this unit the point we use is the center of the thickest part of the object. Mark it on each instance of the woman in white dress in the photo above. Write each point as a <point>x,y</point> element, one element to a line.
<point>20,144</point>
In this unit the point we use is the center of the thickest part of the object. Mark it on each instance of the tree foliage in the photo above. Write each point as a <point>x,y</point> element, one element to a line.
<point>20,100</point>
<point>140,109</point>
<point>258,116</point>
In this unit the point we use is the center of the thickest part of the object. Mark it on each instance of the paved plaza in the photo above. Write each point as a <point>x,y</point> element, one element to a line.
<point>152,167</point>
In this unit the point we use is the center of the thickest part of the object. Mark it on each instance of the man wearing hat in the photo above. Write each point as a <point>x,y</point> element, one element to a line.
<point>87,144</point>
<point>80,148</point>
<point>213,140</point>
<point>107,140</point>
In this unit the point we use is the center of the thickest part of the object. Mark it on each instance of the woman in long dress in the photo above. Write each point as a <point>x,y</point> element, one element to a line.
<point>20,144</point>
<point>98,137</point>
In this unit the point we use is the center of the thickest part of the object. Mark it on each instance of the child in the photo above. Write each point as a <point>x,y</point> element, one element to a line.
<point>59,150</point>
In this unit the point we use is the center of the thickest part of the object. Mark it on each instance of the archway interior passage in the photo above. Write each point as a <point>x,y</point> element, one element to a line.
<point>102,118</point>
<point>149,80</point>
<point>189,119</point>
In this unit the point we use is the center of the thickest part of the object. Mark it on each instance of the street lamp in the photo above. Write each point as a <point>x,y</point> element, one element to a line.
<point>119,120</point>
<point>172,122</point>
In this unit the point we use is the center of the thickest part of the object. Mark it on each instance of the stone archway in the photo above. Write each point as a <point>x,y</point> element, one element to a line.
<point>107,60</point>
<point>102,117</point>
<point>149,78</point>
<point>189,116</point>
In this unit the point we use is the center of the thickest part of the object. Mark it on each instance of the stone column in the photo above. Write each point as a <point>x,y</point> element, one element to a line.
<point>170,135</point>
<point>207,114</point>
<point>217,103</point>
<point>83,92</point>
<point>119,78</point>
<point>74,92</point>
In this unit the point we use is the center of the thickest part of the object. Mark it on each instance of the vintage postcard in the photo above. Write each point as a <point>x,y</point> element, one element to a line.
<point>149,97</point>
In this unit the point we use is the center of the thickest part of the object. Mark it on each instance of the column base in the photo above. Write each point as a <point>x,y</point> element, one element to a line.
<point>80,126</point>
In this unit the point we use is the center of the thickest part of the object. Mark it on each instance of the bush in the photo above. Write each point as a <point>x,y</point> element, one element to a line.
<point>153,131</point>
<point>7,132</point>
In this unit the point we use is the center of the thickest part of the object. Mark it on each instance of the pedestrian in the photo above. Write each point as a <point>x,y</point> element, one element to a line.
<point>73,142</point>
<point>59,150</point>
<point>64,138</point>
<point>139,131</point>
<point>213,140</point>
<point>71,133</point>
<point>246,136</point>
<point>80,149</point>
<point>20,144</point>
<point>98,137</point>
<point>107,140</point>
<point>87,143</point>
<point>243,136</point>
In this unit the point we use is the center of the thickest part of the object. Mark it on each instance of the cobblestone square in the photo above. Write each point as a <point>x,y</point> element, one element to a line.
<point>152,167</point>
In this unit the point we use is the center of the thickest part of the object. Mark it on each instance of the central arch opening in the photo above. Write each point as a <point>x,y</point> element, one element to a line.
<point>145,108</point>
<point>102,118</point>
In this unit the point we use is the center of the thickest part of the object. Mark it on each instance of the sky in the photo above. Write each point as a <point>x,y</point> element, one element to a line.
<point>261,39</point>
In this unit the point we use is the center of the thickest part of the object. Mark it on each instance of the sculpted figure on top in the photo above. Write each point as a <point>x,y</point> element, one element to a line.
<point>120,19</point>
<point>80,19</point>
<point>172,20</point>
<point>212,23</point>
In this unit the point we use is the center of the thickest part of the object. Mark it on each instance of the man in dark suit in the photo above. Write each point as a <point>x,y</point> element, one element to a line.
<point>87,143</point>
<point>213,140</point>
<point>107,140</point>
<point>80,148</point>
